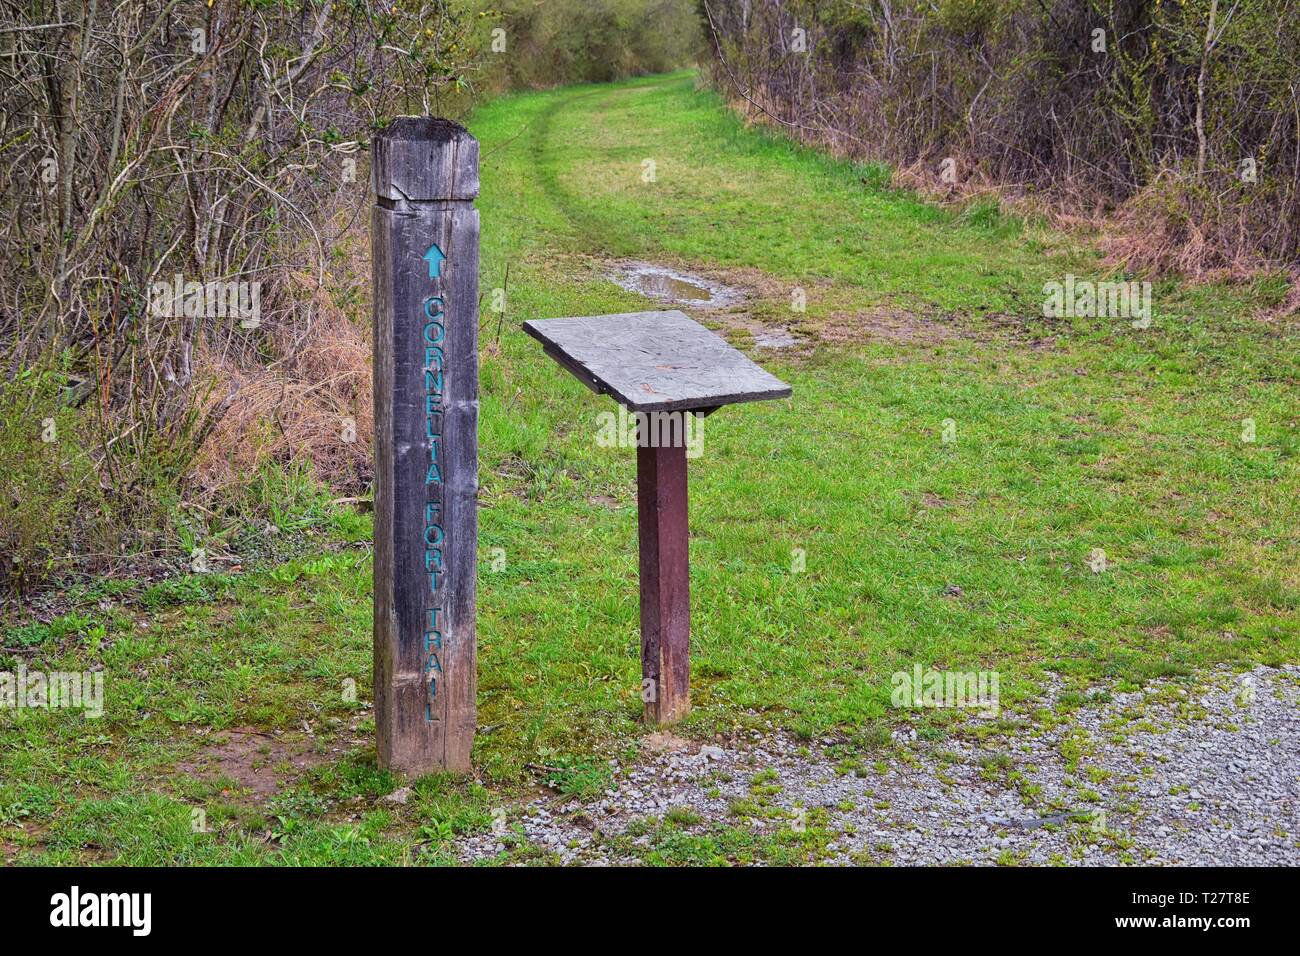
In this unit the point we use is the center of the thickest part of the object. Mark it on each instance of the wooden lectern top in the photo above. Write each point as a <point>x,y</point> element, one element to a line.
<point>655,361</point>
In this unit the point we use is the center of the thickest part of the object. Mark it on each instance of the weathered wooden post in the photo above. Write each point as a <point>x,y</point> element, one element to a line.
<point>425,252</point>
<point>663,367</point>
<point>663,547</point>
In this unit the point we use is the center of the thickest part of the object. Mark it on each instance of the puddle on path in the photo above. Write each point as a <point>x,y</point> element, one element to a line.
<point>673,286</point>
<point>699,293</point>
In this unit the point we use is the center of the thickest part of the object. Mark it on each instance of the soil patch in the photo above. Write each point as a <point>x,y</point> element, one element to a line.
<point>253,763</point>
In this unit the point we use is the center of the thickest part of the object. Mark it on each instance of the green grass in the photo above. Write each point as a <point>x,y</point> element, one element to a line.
<point>1071,436</point>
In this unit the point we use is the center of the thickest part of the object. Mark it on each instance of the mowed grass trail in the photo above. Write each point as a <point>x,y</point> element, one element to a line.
<point>836,537</point>
<point>1070,437</point>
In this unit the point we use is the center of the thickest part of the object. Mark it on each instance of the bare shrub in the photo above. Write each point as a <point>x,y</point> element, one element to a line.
<point>585,41</point>
<point>1184,115</point>
<point>154,144</point>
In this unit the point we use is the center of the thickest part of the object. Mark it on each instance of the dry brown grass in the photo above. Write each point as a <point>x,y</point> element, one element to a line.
<point>1162,230</point>
<point>309,399</point>
<point>925,177</point>
<point>1172,226</point>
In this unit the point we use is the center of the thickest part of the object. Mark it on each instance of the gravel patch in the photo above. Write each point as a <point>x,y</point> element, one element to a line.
<point>1177,773</point>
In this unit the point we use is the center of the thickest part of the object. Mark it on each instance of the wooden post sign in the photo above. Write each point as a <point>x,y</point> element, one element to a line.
<point>663,367</point>
<point>425,251</point>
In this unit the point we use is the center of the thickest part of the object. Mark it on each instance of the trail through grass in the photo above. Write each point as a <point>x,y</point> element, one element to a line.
<point>938,491</point>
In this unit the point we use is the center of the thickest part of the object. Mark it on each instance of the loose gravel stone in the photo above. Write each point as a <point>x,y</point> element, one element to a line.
<point>1171,774</point>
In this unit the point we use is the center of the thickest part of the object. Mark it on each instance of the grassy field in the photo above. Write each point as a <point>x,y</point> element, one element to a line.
<point>228,697</point>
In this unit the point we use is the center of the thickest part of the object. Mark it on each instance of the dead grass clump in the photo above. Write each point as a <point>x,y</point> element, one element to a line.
<point>309,400</point>
<point>1175,225</point>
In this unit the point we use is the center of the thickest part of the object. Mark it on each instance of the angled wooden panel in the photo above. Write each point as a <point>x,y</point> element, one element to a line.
<point>655,361</point>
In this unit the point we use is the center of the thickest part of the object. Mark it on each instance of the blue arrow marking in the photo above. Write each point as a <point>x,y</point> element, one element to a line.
<point>434,257</point>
